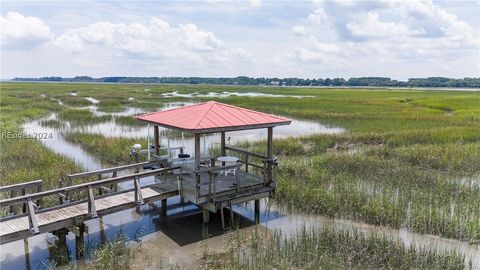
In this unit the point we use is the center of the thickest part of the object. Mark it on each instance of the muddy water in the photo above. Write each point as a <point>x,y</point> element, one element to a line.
<point>178,239</point>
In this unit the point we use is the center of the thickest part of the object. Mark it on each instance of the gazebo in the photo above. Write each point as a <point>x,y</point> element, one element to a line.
<point>210,182</point>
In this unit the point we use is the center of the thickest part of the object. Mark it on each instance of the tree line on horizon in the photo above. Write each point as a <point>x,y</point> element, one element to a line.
<point>244,80</point>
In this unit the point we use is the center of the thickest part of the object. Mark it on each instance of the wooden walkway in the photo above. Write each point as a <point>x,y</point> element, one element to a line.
<point>70,213</point>
<point>55,219</point>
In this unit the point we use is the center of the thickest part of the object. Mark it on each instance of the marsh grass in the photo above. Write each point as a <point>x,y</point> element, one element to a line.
<point>54,123</point>
<point>112,150</point>
<point>114,255</point>
<point>327,248</point>
<point>114,108</point>
<point>380,192</point>
<point>82,117</point>
<point>396,165</point>
<point>129,121</point>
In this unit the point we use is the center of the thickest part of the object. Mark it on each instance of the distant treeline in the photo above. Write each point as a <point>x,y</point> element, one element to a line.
<point>243,80</point>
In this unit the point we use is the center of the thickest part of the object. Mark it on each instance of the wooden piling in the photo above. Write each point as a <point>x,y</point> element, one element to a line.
<point>206,215</point>
<point>257,211</point>
<point>80,241</point>
<point>163,210</point>
<point>26,250</point>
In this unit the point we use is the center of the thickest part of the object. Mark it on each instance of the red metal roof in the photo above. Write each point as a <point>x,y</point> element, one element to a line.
<point>212,116</point>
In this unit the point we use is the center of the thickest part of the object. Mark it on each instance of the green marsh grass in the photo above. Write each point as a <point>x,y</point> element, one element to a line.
<point>111,150</point>
<point>327,248</point>
<point>54,123</point>
<point>396,164</point>
<point>82,117</point>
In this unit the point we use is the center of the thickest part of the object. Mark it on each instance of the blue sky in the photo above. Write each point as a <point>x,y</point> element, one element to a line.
<point>310,39</point>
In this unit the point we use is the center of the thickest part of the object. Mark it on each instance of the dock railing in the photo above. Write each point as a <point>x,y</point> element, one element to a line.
<point>263,169</point>
<point>89,187</point>
<point>21,189</point>
<point>100,173</point>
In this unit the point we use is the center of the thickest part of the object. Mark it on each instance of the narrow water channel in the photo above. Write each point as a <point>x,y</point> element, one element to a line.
<point>178,238</point>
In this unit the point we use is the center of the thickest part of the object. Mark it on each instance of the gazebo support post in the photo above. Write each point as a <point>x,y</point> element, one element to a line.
<point>197,163</point>
<point>222,143</point>
<point>269,154</point>
<point>156,138</point>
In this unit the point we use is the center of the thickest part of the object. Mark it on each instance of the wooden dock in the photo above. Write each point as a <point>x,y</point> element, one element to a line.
<point>78,198</point>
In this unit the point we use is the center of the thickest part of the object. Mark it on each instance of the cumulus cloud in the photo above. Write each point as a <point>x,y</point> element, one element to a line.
<point>299,30</point>
<point>396,30</point>
<point>21,31</point>
<point>156,39</point>
<point>371,26</point>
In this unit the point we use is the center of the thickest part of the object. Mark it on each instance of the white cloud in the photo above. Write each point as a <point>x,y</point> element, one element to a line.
<point>156,39</point>
<point>371,26</point>
<point>299,30</point>
<point>318,16</point>
<point>256,3</point>
<point>20,31</point>
<point>396,30</point>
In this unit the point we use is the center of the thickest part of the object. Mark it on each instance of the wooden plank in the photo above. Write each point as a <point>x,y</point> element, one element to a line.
<point>243,151</point>
<point>138,192</point>
<point>92,210</point>
<point>31,217</point>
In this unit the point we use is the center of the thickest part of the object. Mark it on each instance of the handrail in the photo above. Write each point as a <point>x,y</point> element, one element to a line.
<point>33,196</point>
<point>235,149</point>
<point>114,169</point>
<point>251,164</point>
<point>20,186</point>
<point>218,168</point>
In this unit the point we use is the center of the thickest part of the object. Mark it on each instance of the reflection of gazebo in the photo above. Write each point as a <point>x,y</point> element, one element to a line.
<point>207,184</point>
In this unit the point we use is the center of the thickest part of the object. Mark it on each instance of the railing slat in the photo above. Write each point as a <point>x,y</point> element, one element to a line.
<point>114,169</point>
<point>138,191</point>
<point>239,150</point>
<point>92,210</point>
<point>31,217</point>
<point>26,185</point>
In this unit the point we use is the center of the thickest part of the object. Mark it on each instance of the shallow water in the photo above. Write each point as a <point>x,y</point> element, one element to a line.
<point>111,128</point>
<point>230,94</point>
<point>177,239</point>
